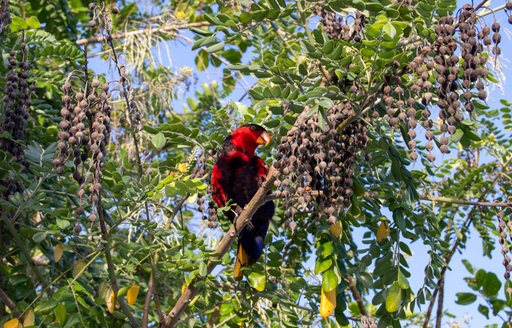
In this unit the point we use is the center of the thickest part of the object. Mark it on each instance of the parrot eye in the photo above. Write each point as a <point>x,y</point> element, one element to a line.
<point>253,128</point>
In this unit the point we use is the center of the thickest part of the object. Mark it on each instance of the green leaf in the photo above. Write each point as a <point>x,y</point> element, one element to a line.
<point>329,280</point>
<point>63,224</point>
<point>257,281</point>
<point>468,266</point>
<point>402,280</point>
<point>203,269</point>
<point>45,307</point>
<point>39,236</point>
<point>394,297</point>
<point>203,42</point>
<point>491,285</point>
<point>484,310</point>
<point>389,29</point>
<point>158,140</point>
<point>60,313</point>
<point>17,24</point>
<point>215,47</point>
<point>245,18</point>
<point>465,298</point>
<point>321,266</point>
<point>33,22</point>
<point>202,60</point>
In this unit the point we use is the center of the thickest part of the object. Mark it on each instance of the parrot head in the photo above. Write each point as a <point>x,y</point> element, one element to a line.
<point>249,137</point>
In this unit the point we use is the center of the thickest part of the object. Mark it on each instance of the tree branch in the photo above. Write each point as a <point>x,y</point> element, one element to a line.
<point>439,314</point>
<point>147,301</point>
<point>467,202</point>
<point>161,29</point>
<point>7,300</point>
<point>356,295</point>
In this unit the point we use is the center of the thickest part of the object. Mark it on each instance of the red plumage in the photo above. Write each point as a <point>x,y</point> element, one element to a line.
<point>237,175</point>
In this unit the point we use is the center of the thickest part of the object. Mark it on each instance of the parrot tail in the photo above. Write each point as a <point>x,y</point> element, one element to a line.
<point>242,259</point>
<point>251,239</point>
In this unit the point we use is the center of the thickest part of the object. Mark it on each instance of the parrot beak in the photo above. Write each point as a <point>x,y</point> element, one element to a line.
<point>263,139</point>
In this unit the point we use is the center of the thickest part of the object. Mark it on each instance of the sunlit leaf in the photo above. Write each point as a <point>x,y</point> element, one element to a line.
<point>394,297</point>
<point>257,281</point>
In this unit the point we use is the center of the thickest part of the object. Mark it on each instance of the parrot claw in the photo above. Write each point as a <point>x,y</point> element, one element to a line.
<point>249,226</point>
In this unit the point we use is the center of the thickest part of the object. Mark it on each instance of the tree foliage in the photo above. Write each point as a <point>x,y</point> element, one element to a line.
<point>383,136</point>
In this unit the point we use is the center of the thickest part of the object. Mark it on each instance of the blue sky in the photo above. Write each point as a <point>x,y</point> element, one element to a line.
<point>181,55</point>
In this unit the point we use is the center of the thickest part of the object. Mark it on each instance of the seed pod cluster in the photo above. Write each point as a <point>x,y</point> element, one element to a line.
<point>5,16</point>
<point>84,133</point>
<point>447,68</point>
<point>496,38</point>
<point>16,103</point>
<point>503,225</point>
<point>200,170</point>
<point>474,63</point>
<point>100,134</point>
<point>208,214</point>
<point>316,164</point>
<point>444,80</point>
<point>338,28</point>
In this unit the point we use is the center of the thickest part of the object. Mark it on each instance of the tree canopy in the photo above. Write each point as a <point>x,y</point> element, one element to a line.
<point>386,131</point>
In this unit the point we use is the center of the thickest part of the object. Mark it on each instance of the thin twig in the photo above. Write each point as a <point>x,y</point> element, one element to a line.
<point>122,35</point>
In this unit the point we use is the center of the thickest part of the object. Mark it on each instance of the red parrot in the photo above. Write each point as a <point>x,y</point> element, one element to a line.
<point>237,175</point>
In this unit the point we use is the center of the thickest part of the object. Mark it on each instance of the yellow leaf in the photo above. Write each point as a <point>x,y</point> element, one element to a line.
<point>14,323</point>
<point>183,288</point>
<point>29,318</point>
<point>132,293</point>
<point>111,303</point>
<point>57,252</point>
<point>77,269</point>
<point>327,302</point>
<point>383,231</point>
<point>336,229</point>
